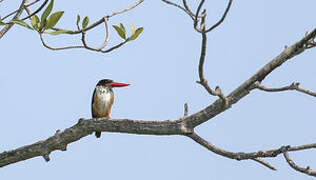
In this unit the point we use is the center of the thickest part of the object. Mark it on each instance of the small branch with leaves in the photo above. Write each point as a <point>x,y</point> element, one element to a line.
<point>46,25</point>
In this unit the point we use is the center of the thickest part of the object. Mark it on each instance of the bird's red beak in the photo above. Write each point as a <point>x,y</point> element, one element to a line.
<point>117,84</point>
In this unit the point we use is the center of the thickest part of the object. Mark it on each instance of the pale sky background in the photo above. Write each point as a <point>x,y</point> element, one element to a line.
<point>44,90</point>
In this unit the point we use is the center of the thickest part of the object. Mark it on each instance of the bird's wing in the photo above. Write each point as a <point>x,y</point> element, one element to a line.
<point>92,101</point>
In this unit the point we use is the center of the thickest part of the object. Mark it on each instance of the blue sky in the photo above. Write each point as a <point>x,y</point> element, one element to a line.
<point>44,90</point>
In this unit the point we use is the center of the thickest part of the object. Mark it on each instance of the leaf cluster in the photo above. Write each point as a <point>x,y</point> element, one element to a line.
<point>121,31</point>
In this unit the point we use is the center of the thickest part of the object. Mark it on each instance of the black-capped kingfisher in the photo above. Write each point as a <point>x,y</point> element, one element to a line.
<point>103,98</point>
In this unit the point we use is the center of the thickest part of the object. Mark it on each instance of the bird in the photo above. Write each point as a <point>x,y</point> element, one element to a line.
<point>102,99</point>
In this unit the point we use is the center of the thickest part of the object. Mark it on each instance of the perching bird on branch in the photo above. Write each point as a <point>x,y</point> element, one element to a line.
<point>102,99</point>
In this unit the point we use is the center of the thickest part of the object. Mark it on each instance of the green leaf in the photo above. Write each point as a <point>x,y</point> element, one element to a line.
<point>60,32</point>
<point>2,23</point>
<point>46,13</point>
<point>21,23</point>
<point>85,22</point>
<point>78,19</point>
<point>122,27</point>
<point>35,22</point>
<point>137,33</point>
<point>133,29</point>
<point>120,31</point>
<point>53,19</point>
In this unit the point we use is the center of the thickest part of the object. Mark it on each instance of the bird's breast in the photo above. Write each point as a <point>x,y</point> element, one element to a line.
<point>102,103</point>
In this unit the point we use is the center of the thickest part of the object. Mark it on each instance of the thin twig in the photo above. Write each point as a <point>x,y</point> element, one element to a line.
<point>264,163</point>
<point>107,34</point>
<point>85,45</point>
<point>306,170</point>
<point>107,37</point>
<point>126,9</point>
<point>203,81</point>
<point>115,47</point>
<point>197,15</point>
<point>27,5</point>
<point>102,19</point>
<point>223,17</point>
<point>185,8</point>
<point>7,27</point>
<point>293,86</point>
<point>36,11</point>
<point>186,110</point>
<point>56,49</point>
<point>253,155</point>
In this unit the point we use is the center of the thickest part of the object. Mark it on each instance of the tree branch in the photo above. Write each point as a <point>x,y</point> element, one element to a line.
<point>222,18</point>
<point>59,48</point>
<point>7,27</point>
<point>102,19</point>
<point>268,165</point>
<point>36,11</point>
<point>83,33</point>
<point>244,89</point>
<point>107,36</point>
<point>27,5</point>
<point>203,81</point>
<point>85,127</point>
<point>306,170</point>
<point>253,155</point>
<point>185,8</point>
<point>293,86</point>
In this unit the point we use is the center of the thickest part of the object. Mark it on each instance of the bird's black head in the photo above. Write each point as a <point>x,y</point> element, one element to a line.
<point>104,82</point>
<point>110,83</point>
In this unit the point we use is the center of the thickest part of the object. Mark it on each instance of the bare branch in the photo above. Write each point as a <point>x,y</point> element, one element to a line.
<point>115,47</point>
<point>27,5</point>
<point>244,89</point>
<point>203,81</point>
<point>107,34</point>
<point>268,165</point>
<point>59,48</point>
<point>223,17</point>
<point>306,170</point>
<point>293,86</point>
<point>248,156</point>
<point>186,110</point>
<point>125,10</point>
<point>85,127</point>
<point>36,11</point>
<point>168,127</point>
<point>7,27</point>
<point>197,15</point>
<point>311,43</point>
<point>185,8</point>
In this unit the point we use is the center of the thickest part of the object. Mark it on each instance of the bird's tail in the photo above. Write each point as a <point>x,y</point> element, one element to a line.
<point>98,134</point>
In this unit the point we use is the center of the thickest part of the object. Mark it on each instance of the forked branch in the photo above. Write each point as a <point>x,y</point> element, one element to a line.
<point>306,170</point>
<point>293,86</point>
